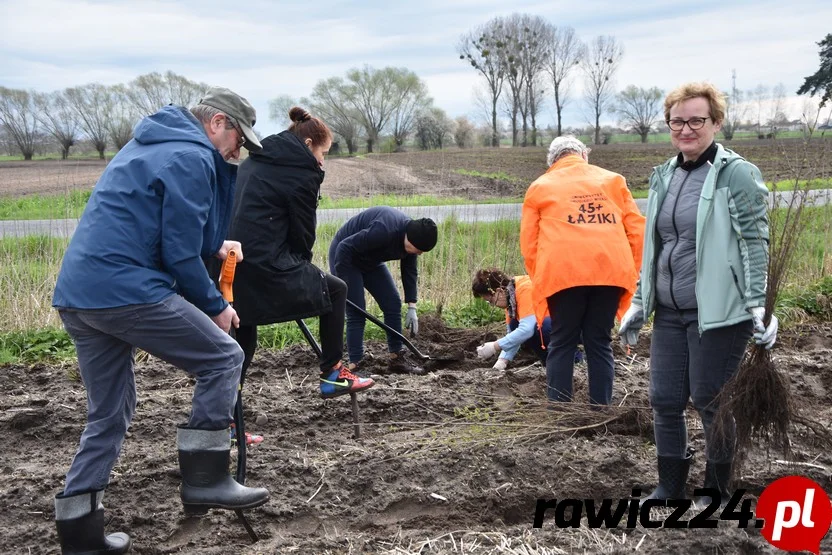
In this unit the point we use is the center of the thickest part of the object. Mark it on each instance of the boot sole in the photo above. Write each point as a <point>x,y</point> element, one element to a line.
<point>201,509</point>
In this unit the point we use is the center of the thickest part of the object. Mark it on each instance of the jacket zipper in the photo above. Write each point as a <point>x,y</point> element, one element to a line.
<point>737,283</point>
<point>673,248</point>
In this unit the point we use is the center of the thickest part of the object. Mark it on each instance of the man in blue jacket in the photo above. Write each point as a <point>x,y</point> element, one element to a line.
<point>357,255</point>
<point>134,276</point>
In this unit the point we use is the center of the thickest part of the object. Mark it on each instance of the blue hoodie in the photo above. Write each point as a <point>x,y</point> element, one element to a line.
<point>370,238</point>
<point>161,206</point>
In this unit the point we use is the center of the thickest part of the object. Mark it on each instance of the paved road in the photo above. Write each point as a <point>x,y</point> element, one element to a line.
<point>463,212</point>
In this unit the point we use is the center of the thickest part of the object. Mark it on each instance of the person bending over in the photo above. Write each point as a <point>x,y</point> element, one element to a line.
<point>357,255</point>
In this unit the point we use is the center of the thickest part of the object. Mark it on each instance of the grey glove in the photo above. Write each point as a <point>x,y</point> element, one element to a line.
<point>411,321</point>
<point>631,324</point>
<point>764,335</point>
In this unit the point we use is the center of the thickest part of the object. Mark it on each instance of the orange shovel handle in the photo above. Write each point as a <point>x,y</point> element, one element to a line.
<point>229,266</point>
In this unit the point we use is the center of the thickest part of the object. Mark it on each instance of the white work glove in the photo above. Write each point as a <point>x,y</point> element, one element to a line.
<point>765,336</point>
<point>227,246</point>
<point>631,324</point>
<point>411,321</point>
<point>487,350</point>
<point>500,364</point>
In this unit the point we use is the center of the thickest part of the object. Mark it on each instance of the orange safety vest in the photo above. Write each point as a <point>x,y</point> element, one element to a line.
<point>580,226</point>
<point>524,298</point>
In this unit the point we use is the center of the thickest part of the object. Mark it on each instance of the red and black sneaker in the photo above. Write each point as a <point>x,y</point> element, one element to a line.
<point>340,381</point>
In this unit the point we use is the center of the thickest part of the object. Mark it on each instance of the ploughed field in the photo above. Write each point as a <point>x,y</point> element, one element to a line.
<point>496,172</point>
<point>449,462</point>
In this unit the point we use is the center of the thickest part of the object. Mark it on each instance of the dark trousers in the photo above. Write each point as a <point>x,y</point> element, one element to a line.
<point>381,286</point>
<point>685,365</point>
<point>587,311</point>
<point>539,340</point>
<point>331,326</point>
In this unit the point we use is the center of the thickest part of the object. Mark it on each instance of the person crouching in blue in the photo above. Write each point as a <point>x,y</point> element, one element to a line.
<point>514,295</point>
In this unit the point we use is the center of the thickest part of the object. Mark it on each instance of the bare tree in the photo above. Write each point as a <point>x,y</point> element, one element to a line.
<point>537,98</point>
<point>382,98</point>
<point>513,102</point>
<point>121,116</point>
<point>58,119</point>
<point>640,109</point>
<point>735,109</point>
<point>410,98</point>
<point>433,127</point>
<point>368,92</point>
<point>482,49</point>
<point>777,109</point>
<point>810,115</point>
<point>152,91</point>
<point>6,140</point>
<point>759,96</point>
<point>18,114</point>
<point>564,51</point>
<point>524,56</point>
<point>464,132</point>
<point>600,64</point>
<point>532,62</point>
<point>91,104</point>
<point>509,108</point>
<point>330,101</point>
<point>481,110</point>
<point>183,91</point>
<point>279,109</point>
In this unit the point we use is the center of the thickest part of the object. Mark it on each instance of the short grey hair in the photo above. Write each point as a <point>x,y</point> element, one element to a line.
<point>563,145</point>
<point>204,113</point>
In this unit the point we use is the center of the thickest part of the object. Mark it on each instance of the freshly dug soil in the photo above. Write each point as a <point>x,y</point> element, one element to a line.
<point>449,462</point>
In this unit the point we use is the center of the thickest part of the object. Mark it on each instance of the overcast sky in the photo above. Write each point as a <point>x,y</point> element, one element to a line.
<point>265,48</point>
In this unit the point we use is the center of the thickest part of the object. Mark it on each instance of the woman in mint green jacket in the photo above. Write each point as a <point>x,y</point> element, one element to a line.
<point>703,277</point>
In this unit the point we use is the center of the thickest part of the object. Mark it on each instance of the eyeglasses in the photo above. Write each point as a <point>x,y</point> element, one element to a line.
<point>693,123</point>
<point>231,123</point>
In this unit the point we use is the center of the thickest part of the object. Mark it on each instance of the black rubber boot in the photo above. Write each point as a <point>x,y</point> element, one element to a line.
<point>400,363</point>
<point>673,477</point>
<point>80,523</point>
<point>204,456</point>
<point>717,476</point>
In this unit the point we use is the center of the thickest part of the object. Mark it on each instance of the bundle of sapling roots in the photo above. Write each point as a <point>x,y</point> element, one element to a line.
<point>758,397</point>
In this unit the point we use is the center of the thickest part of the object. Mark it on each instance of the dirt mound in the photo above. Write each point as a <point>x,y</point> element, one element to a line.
<point>449,462</point>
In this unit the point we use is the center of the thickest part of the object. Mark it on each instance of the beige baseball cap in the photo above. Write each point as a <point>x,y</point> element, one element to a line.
<point>238,108</point>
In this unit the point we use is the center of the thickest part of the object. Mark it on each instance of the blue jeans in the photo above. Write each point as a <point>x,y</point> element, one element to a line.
<point>537,342</point>
<point>381,286</point>
<point>173,330</point>
<point>685,365</point>
<point>582,313</point>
